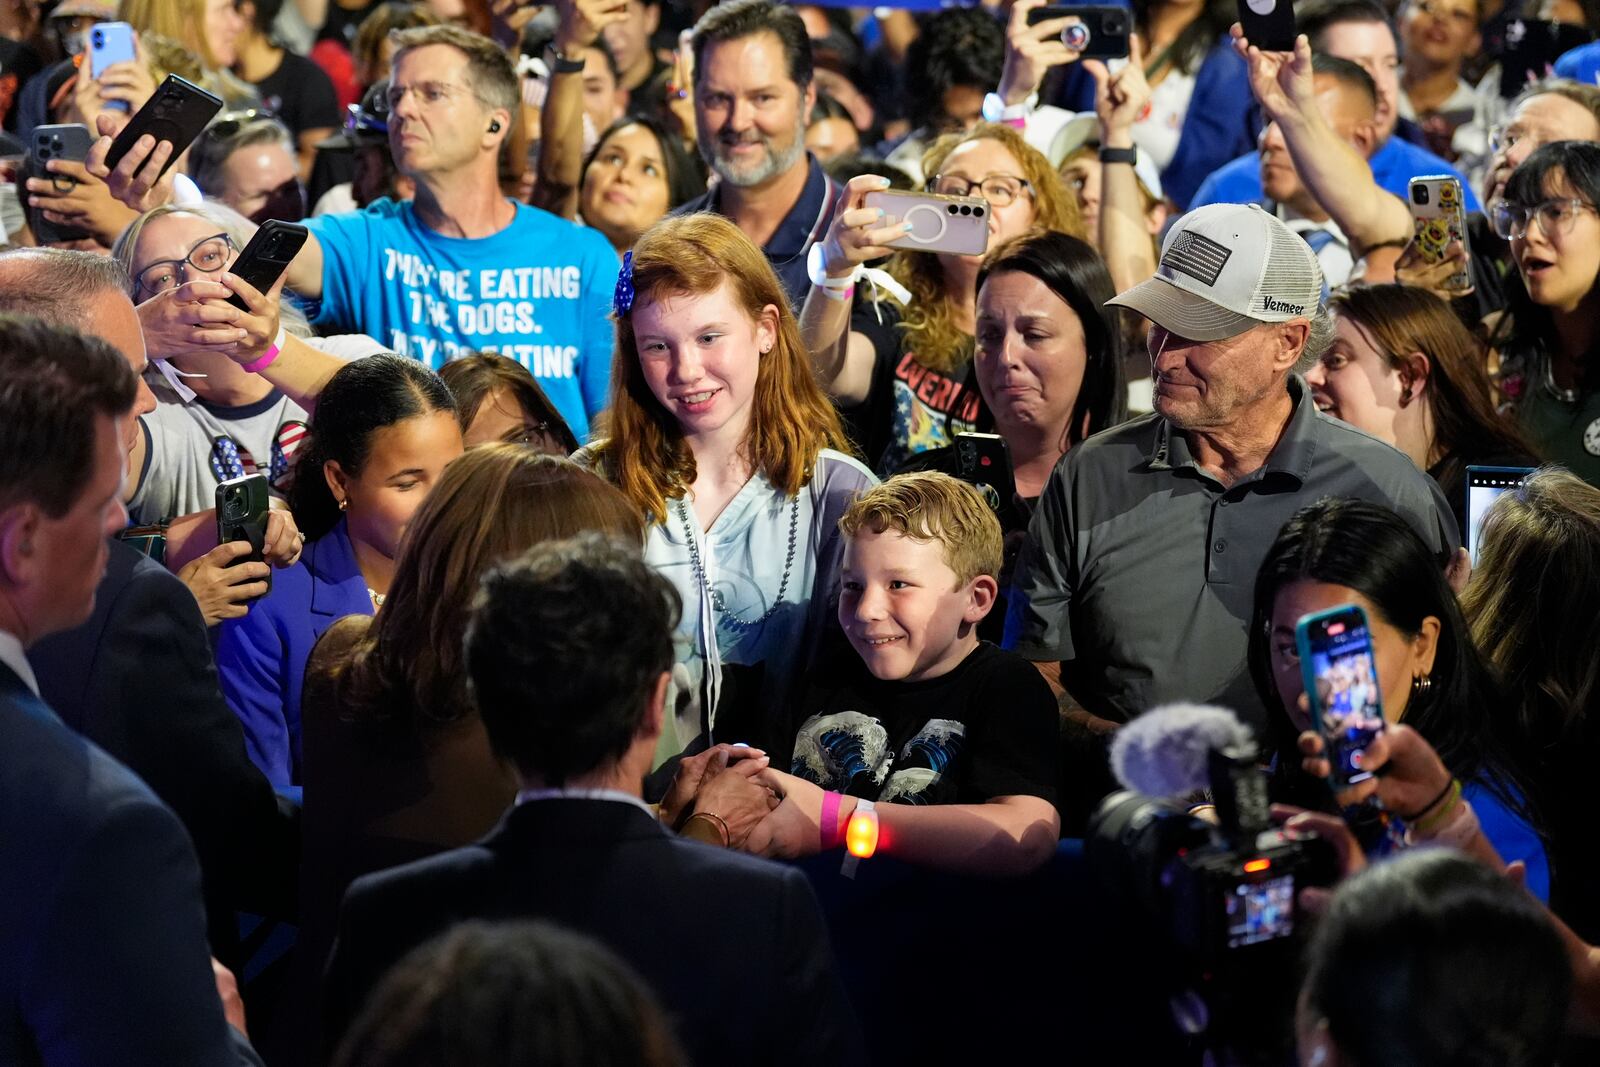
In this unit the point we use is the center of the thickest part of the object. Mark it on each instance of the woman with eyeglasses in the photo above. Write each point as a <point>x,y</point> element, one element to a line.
<point>903,373</point>
<point>1549,334</point>
<point>1403,368</point>
<point>232,387</point>
<point>499,401</point>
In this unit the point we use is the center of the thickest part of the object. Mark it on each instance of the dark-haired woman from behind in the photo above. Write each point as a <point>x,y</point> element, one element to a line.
<point>1531,605</point>
<point>1430,675</point>
<point>497,399</point>
<point>397,763</point>
<point>383,431</point>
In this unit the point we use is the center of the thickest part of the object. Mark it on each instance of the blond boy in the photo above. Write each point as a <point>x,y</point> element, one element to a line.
<point>951,737</point>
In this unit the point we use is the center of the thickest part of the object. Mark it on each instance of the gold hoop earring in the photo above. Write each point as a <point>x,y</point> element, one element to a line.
<point>1421,685</point>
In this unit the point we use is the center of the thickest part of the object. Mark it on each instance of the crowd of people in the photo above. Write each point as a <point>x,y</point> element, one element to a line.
<point>657,540</point>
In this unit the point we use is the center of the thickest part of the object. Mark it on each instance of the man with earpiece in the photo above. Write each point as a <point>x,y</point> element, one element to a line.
<point>461,268</point>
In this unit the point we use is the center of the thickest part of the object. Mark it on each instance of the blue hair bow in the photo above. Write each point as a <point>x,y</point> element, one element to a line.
<point>622,299</point>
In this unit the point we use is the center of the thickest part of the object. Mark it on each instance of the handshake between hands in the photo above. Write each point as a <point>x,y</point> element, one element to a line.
<point>747,804</point>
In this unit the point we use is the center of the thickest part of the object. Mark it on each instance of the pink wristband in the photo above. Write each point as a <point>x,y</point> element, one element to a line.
<point>830,820</point>
<point>272,353</point>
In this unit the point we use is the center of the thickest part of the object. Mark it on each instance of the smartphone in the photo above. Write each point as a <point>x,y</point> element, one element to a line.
<point>110,42</point>
<point>64,141</point>
<point>1438,217</point>
<point>267,256</point>
<point>242,515</point>
<point>1268,24</point>
<point>178,112</point>
<point>1484,484</point>
<point>983,460</point>
<point>958,225</point>
<point>1341,680</point>
<point>1100,32</point>
<point>1530,53</point>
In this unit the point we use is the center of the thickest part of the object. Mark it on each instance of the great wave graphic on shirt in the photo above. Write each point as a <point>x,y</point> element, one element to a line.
<point>849,752</point>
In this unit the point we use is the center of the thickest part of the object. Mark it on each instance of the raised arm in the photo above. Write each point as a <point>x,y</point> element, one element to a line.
<point>1124,237</point>
<point>842,359</point>
<point>561,119</point>
<point>1333,171</point>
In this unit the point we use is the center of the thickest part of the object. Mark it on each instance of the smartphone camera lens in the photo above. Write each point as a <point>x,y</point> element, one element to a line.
<point>951,208</point>
<point>99,39</point>
<point>965,210</point>
<point>1115,23</point>
<point>233,507</point>
<point>1419,194</point>
<point>1076,37</point>
<point>977,212</point>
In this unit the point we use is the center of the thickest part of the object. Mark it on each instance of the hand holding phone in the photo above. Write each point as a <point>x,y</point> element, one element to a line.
<point>1341,681</point>
<point>111,43</point>
<point>1094,32</point>
<point>1438,223</point>
<point>68,141</point>
<point>242,505</point>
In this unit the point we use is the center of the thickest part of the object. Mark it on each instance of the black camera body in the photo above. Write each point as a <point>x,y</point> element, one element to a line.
<point>1222,892</point>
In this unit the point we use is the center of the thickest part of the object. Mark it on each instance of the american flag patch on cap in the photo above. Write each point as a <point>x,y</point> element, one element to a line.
<point>1197,256</point>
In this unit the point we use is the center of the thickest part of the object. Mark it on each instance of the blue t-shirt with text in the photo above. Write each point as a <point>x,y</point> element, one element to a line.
<point>539,291</point>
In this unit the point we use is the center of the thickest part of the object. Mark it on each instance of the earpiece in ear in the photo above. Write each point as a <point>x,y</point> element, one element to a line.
<point>494,125</point>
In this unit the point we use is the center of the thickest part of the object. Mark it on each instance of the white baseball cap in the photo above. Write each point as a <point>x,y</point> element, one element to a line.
<point>1083,130</point>
<point>1225,269</point>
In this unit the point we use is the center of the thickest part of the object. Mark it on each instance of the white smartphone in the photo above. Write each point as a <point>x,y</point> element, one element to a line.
<point>958,225</point>
<point>1438,217</point>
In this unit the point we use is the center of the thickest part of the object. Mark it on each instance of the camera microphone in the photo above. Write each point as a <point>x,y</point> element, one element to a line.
<point>1166,752</point>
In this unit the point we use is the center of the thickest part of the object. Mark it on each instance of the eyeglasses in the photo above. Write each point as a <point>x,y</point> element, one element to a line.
<point>1510,221</point>
<point>231,122</point>
<point>207,257</point>
<point>429,93</point>
<point>1001,190</point>
<point>539,436</point>
<point>358,121</point>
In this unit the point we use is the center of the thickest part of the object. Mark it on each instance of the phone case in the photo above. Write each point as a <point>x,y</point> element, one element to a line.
<point>1363,696</point>
<point>958,225</point>
<point>1438,217</point>
<point>983,460</point>
<point>110,42</point>
<point>177,112</point>
<point>60,141</point>
<point>267,256</point>
<point>1268,24</point>
<point>1103,34</point>
<point>242,505</point>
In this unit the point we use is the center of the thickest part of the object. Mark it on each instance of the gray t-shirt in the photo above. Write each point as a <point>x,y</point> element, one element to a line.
<point>192,447</point>
<point>1139,569</point>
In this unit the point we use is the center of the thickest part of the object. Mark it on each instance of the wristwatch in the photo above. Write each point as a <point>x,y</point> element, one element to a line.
<point>560,64</point>
<point>1130,156</point>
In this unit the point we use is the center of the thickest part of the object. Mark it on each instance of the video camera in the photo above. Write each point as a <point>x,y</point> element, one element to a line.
<point>1223,894</point>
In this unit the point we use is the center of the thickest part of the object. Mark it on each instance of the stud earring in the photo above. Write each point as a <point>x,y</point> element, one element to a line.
<point>344,504</point>
<point>1421,685</point>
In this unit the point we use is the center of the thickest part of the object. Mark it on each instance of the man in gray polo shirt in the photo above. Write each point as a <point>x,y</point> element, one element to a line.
<point>1136,579</point>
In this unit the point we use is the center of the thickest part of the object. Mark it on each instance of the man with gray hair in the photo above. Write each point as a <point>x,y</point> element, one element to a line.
<point>1135,584</point>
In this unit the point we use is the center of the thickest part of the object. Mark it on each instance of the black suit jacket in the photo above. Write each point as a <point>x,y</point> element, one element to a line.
<point>138,680</point>
<point>734,947</point>
<point>102,937</point>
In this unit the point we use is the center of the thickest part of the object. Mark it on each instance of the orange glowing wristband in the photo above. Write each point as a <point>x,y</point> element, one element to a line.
<point>860,837</point>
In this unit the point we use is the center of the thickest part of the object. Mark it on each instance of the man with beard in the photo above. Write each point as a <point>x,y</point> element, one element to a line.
<point>752,94</point>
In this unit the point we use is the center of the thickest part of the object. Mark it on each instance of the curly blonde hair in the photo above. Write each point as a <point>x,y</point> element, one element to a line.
<point>929,321</point>
<point>930,506</point>
<point>643,451</point>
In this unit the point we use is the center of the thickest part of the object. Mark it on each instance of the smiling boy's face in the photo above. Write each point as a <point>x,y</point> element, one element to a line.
<point>903,609</point>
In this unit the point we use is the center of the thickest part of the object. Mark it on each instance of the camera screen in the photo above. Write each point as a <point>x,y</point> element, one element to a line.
<point>1349,705</point>
<point>1261,912</point>
<point>1482,489</point>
